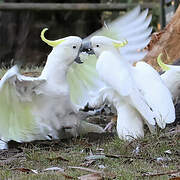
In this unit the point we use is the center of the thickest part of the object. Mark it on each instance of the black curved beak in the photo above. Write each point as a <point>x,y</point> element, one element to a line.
<point>78,59</point>
<point>87,47</point>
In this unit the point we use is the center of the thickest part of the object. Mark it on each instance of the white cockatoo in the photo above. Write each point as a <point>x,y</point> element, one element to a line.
<point>41,108</point>
<point>171,78</point>
<point>136,91</point>
<point>134,27</point>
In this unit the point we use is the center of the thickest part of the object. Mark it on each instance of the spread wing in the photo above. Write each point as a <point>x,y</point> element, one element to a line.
<point>134,28</point>
<point>121,81</point>
<point>155,92</point>
<point>16,102</point>
<point>84,80</point>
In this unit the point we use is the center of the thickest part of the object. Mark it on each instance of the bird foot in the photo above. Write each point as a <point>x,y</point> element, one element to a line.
<point>111,124</point>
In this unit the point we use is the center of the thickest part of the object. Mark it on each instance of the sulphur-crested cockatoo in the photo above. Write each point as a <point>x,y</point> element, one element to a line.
<point>136,91</point>
<point>171,78</point>
<point>134,27</point>
<point>41,108</point>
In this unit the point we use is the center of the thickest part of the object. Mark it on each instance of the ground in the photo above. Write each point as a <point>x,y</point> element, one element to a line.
<point>103,156</point>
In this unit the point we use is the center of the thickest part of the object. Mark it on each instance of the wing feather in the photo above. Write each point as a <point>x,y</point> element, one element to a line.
<point>122,81</point>
<point>134,27</point>
<point>16,119</point>
<point>155,93</point>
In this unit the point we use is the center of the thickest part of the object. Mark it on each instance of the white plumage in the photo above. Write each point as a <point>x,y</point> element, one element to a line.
<point>138,91</point>
<point>171,78</point>
<point>41,108</point>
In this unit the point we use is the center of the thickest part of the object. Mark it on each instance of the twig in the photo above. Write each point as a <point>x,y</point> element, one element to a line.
<point>130,157</point>
<point>161,173</point>
<point>85,169</point>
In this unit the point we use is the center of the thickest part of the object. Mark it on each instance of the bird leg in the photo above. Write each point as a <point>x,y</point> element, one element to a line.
<point>110,125</point>
<point>87,108</point>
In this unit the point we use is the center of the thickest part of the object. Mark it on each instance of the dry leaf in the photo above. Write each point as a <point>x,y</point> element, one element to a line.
<point>54,169</point>
<point>26,170</point>
<point>59,170</point>
<point>149,174</point>
<point>87,163</point>
<point>85,169</point>
<point>95,157</point>
<point>94,176</point>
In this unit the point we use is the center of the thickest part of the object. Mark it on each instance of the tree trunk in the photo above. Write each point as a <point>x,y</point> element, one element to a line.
<point>167,42</point>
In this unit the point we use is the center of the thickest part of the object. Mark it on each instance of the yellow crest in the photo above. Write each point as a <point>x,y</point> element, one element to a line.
<point>163,66</point>
<point>49,42</point>
<point>119,45</point>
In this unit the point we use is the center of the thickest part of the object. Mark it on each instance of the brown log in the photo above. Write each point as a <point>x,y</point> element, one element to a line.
<point>167,42</point>
<point>72,6</point>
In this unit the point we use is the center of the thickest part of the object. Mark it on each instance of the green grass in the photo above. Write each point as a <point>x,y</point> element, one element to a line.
<point>129,166</point>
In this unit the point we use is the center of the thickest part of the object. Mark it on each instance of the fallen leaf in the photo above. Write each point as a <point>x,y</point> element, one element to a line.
<point>95,157</point>
<point>175,178</point>
<point>54,169</point>
<point>94,176</point>
<point>150,174</point>
<point>26,170</point>
<point>101,166</point>
<point>59,170</point>
<point>103,174</point>
<point>85,169</point>
<point>168,152</point>
<point>163,159</point>
<point>87,163</point>
<point>99,149</point>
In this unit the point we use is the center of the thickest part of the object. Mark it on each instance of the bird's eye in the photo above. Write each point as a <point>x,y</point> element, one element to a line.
<point>74,47</point>
<point>97,45</point>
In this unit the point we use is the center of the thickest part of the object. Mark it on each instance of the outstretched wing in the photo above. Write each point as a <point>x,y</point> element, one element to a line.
<point>134,28</point>
<point>16,119</point>
<point>155,92</point>
<point>122,82</point>
<point>84,80</point>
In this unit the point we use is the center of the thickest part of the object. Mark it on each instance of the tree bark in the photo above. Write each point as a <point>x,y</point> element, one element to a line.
<point>167,42</point>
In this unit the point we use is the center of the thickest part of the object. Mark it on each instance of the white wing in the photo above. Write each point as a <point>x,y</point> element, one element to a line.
<point>134,28</point>
<point>120,79</point>
<point>155,92</point>
<point>171,78</point>
<point>16,119</point>
<point>84,80</point>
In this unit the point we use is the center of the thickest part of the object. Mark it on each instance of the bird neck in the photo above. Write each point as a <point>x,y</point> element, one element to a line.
<point>55,70</point>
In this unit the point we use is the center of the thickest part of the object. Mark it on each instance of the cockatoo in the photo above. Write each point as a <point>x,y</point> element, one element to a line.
<point>171,78</point>
<point>137,91</point>
<point>134,27</point>
<point>40,108</point>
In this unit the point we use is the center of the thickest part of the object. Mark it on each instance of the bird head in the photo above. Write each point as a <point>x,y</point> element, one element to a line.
<point>68,47</point>
<point>98,44</point>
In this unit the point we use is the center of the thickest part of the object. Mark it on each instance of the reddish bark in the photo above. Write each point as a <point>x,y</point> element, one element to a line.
<point>167,42</point>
